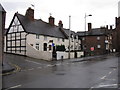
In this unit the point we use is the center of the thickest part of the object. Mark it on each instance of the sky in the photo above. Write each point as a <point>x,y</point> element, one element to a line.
<point>103,11</point>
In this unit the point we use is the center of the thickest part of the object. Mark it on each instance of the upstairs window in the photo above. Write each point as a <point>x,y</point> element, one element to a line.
<point>37,36</point>
<point>83,38</point>
<point>98,38</point>
<point>58,39</point>
<point>98,46</point>
<point>63,40</point>
<point>45,38</point>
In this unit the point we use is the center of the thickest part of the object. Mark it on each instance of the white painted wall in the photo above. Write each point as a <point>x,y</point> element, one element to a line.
<point>65,55</point>
<point>34,53</point>
<point>79,54</point>
<point>31,39</point>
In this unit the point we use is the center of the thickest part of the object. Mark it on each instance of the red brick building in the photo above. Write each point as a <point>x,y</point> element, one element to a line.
<point>98,41</point>
<point>118,33</point>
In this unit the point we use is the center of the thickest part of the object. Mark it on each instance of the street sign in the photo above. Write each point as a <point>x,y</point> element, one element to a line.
<point>92,49</point>
<point>53,44</point>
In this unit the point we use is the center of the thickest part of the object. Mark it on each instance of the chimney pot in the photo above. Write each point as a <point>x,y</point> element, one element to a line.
<point>51,20</point>
<point>89,26</point>
<point>106,26</point>
<point>110,26</point>
<point>60,24</point>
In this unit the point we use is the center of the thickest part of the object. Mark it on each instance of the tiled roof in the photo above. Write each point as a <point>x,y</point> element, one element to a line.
<point>2,9</point>
<point>94,32</point>
<point>40,27</point>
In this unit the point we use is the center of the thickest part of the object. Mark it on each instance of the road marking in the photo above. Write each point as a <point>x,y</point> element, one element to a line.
<point>58,64</point>
<point>31,69</point>
<point>16,70</point>
<point>103,77</point>
<point>39,67</point>
<point>91,88</point>
<point>106,85</point>
<point>33,62</point>
<point>23,70</point>
<point>111,79</point>
<point>110,72</point>
<point>14,87</point>
<point>49,65</point>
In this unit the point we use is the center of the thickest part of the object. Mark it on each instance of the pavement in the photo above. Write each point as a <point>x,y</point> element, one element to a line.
<point>7,67</point>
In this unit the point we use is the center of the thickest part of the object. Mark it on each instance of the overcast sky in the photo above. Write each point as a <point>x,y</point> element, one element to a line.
<point>103,11</point>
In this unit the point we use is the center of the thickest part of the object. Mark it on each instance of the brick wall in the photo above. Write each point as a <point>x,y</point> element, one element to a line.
<point>92,41</point>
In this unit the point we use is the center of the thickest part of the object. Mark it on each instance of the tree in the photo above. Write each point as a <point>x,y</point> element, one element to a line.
<point>60,48</point>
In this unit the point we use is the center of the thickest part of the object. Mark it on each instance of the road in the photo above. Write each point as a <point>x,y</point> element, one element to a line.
<point>33,73</point>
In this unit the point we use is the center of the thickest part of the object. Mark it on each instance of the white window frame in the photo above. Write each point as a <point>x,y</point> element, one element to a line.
<point>37,46</point>
<point>98,38</point>
<point>37,36</point>
<point>99,46</point>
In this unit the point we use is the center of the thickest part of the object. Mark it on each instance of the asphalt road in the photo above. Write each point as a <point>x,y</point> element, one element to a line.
<point>95,73</point>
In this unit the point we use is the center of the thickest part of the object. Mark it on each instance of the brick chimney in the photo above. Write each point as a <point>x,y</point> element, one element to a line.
<point>117,21</point>
<point>111,27</point>
<point>89,26</point>
<point>106,26</point>
<point>51,20</point>
<point>30,14</point>
<point>60,24</point>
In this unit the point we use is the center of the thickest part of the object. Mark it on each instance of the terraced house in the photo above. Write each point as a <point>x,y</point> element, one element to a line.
<point>39,39</point>
<point>98,41</point>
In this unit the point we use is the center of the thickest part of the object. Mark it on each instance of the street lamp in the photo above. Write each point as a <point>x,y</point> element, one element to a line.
<point>85,31</point>
<point>69,35</point>
<point>85,19</point>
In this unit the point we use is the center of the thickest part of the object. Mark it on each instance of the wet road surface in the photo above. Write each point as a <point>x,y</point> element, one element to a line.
<point>95,73</point>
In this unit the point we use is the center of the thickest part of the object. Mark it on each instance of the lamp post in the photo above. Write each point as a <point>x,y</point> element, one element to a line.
<point>85,32</point>
<point>85,19</point>
<point>69,35</point>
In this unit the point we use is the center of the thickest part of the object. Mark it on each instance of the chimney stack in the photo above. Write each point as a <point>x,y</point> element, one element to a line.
<point>89,26</point>
<point>106,26</point>
<point>30,14</point>
<point>60,24</point>
<point>110,27</point>
<point>51,20</point>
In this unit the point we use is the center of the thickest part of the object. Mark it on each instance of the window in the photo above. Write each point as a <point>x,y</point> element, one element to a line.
<point>110,37</point>
<point>58,39</point>
<point>98,38</point>
<point>45,38</point>
<point>37,46</point>
<point>37,36</point>
<point>83,38</point>
<point>98,46</point>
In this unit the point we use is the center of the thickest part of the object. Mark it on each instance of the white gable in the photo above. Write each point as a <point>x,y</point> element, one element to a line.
<point>16,26</point>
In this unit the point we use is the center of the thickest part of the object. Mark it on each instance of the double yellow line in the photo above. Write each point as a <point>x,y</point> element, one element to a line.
<point>17,69</point>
